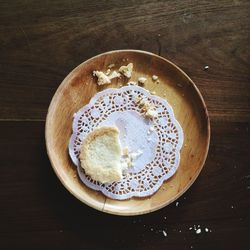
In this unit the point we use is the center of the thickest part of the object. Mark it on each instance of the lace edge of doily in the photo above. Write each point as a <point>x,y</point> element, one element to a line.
<point>162,179</point>
<point>96,96</point>
<point>135,193</point>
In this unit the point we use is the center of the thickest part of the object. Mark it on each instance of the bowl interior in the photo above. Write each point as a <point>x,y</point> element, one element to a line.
<point>175,86</point>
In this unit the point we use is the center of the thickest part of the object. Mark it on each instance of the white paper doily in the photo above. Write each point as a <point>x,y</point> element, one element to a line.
<point>160,139</point>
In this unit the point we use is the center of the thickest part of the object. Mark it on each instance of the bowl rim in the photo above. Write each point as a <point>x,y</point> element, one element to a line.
<point>143,211</point>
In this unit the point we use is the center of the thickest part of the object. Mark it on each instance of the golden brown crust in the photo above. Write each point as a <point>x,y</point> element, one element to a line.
<point>91,136</point>
<point>97,172</point>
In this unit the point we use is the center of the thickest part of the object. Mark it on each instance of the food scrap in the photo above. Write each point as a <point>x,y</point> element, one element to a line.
<point>108,72</point>
<point>125,151</point>
<point>114,74</point>
<point>154,78</point>
<point>150,113</point>
<point>127,70</point>
<point>112,65</point>
<point>164,233</point>
<point>102,78</point>
<point>142,80</point>
<point>129,158</point>
<point>147,108</point>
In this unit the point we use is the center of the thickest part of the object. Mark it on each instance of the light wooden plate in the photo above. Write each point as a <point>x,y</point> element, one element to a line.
<point>189,108</point>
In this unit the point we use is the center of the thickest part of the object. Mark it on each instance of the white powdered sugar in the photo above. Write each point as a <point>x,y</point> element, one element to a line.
<point>156,155</point>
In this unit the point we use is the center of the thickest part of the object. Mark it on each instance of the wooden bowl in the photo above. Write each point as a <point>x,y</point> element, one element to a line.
<point>190,110</point>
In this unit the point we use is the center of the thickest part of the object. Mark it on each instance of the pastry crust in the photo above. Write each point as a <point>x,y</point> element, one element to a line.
<point>127,70</point>
<point>100,155</point>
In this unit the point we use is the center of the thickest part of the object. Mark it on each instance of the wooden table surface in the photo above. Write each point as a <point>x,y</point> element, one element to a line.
<point>41,41</point>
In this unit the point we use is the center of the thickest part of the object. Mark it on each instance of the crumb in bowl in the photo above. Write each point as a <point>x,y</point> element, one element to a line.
<point>127,70</point>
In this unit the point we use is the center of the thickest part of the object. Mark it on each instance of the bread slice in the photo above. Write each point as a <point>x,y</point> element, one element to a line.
<point>100,155</point>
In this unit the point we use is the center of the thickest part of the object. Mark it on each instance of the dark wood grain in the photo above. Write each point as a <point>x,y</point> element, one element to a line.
<point>37,210</point>
<point>41,41</point>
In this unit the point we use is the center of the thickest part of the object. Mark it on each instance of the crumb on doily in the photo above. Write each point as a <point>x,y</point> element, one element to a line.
<point>125,151</point>
<point>151,129</point>
<point>136,154</point>
<point>140,101</point>
<point>129,162</point>
<point>129,157</point>
<point>147,107</point>
<point>150,113</point>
